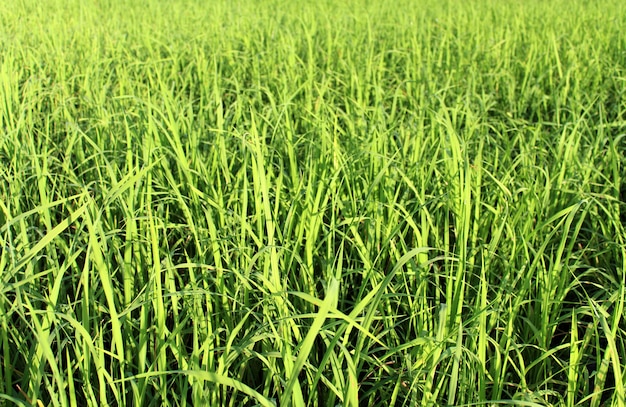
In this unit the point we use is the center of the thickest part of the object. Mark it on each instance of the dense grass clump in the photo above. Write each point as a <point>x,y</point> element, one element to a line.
<point>356,203</point>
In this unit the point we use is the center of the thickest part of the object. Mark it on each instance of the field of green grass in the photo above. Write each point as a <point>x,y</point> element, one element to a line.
<point>297,203</point>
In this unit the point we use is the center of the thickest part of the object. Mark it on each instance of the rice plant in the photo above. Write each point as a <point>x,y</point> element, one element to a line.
<point>276,203</point>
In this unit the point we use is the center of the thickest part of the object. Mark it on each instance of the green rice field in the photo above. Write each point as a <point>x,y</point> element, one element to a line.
<point>298,203</point>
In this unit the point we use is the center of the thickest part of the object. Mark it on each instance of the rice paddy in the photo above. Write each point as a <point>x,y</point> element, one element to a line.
<point>274,203</point>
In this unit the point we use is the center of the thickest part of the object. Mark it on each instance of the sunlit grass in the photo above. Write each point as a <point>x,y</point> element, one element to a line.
<point>358,203</point>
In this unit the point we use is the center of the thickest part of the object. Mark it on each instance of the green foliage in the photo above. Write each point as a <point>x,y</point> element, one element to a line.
<point>354,203</point>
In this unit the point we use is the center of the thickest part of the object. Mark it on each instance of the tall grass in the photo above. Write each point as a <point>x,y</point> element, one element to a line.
<point>340,203</point>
